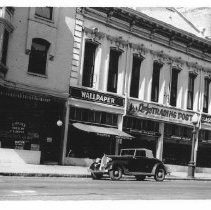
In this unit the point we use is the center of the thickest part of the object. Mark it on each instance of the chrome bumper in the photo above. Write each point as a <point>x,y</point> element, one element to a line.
<point>97,171</point>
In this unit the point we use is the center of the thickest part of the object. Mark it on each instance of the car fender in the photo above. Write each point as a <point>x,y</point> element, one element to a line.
<point>111,166</point>
<point>156,166</point>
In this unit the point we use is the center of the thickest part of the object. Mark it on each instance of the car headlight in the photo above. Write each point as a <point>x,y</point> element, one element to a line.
<point>109,159</point>
<point>98,160</point>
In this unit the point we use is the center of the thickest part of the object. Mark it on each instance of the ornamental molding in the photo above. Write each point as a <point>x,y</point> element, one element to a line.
<point>140,48</point>
<point>159,55</point>
<point>94,33</point>
<point>176,62</point>
<point>118,41</point>
<point>194,65</point>
<point>194,73</point>
<point>207,70</point>
<point>208,77</point>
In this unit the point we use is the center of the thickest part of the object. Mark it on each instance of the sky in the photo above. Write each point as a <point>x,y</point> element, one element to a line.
<point>107,3</point>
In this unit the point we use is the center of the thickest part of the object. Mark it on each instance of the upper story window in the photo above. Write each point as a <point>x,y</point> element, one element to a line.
<point>113,70</point>
<point>44,12</point>
<point>38,56</point>
<point>206,95</point>
<point>4,47</point>
<point>190,91</point>
<point>89,62</point>
<point>134,86</point>
<point>174,81</point>
<point>155,81</point>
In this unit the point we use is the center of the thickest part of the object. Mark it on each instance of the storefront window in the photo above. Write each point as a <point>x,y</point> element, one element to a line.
<point>204,149</point>
<point>30,125</point>
<point>140,124</point>
<point>83,144</point>
<point>177,144</point>
<point>96,117</point>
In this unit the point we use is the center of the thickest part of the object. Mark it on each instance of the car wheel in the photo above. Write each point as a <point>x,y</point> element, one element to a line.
<point>140,177</point>
<point>96,175</point>
<point>116,173</point>
<point>159,174</point>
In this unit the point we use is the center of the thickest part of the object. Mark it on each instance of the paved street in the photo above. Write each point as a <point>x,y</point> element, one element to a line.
<point>49,188</point>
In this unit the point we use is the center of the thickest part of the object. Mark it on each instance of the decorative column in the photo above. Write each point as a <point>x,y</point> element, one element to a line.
<point>66,127</point>
<point>159,146</point>
<point>119,141</point>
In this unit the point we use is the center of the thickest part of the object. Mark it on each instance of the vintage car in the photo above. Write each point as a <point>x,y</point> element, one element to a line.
<point>138,162</point>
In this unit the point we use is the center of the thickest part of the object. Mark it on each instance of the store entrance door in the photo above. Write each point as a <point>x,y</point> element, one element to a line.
<point>51,145</point>
<point>50,151</point>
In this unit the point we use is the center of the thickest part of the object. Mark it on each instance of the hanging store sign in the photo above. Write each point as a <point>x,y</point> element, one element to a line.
<point>158,112</point>
<point>95,96</point>
<point>206,121</point>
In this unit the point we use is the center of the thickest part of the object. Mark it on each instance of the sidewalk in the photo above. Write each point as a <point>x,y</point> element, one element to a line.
<point>73,171</point>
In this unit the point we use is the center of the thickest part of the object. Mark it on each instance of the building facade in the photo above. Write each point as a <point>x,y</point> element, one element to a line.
<point>76,83</point>
<point>139,76</point>
<point>35,58</point>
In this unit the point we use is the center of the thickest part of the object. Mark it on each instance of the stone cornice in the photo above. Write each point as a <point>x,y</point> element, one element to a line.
<point>135,19</point>
<point>159,55</point>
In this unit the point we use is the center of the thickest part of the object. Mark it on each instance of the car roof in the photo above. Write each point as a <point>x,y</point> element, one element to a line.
<point>148,151</point>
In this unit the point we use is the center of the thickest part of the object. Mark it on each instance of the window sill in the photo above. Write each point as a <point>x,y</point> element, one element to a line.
<point>37,75</point>
<point>44,19</point>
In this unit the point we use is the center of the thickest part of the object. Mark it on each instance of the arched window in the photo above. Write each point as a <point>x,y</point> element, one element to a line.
<point>38,56</point>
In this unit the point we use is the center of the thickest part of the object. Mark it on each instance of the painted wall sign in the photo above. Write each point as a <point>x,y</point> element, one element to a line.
<point>147,133</point>
<point>154,111</point>
<point>95,96</point>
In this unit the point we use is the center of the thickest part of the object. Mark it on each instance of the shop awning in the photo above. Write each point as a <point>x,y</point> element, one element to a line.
<point>102,131</point>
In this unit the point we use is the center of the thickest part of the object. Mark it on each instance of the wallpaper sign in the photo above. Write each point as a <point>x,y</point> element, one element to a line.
<point>95,96</point>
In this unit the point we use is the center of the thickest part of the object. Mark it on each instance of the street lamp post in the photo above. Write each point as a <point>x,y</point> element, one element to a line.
<point>192,163</point>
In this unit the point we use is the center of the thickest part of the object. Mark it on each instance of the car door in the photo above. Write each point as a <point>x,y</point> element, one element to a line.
<point>140,161</point>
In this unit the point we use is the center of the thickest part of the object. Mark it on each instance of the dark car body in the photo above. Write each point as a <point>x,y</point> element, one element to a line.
<point>138,162</point>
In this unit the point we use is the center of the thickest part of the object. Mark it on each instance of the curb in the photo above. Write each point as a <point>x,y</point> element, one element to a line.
<point>188,179</point>
<point>45,175</point>
<point>87,176</point>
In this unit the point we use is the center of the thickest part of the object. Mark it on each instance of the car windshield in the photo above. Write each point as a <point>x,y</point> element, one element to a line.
<point>127,152</point>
